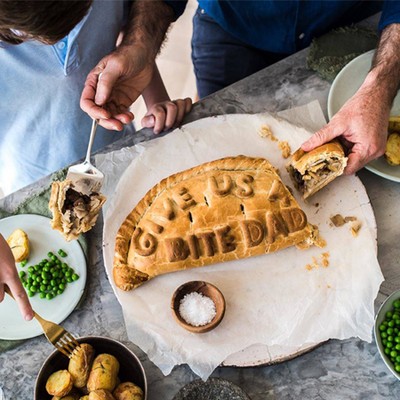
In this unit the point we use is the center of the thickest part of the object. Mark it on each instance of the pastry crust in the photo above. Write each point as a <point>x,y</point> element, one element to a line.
<point>73,212</point>
<point>313,170</point>
<point>227,209</point>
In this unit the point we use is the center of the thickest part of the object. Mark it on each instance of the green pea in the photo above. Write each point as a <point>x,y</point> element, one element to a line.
<point>62,253</point>
<point>23,263</point>
<point>75,277</point>
<point>42,295</point>
<point>30,293</point>
<point>22,274</point>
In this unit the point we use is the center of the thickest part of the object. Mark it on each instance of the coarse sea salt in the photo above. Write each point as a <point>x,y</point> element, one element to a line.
<point>197,309</point>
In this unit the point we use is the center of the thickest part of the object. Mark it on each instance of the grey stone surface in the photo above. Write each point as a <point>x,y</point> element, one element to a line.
<point>349,369</point>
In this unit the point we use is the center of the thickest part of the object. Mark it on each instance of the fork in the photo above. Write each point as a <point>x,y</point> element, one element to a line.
<point>85,176</point>
<point>61,339</point>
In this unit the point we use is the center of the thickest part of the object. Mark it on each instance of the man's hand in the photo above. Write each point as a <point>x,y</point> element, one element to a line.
<point>9,277</point>
<point>120,77</point>
<point>362,123</point>
<point>113,85</point>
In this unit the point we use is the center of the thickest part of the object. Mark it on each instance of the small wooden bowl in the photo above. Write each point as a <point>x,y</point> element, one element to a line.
<point>206,289</point>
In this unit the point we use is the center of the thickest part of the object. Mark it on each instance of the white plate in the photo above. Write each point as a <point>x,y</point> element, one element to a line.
<point>346,83</point>
<point>42,240</point>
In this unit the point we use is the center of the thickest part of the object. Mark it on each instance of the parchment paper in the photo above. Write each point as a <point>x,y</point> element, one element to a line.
<point>274,300</point>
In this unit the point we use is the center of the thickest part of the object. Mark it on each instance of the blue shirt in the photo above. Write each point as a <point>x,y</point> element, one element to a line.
<point>288,26</point>
<point>42,127</point>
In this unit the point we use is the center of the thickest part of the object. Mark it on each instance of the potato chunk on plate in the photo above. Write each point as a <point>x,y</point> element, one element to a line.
<point>19,244</point>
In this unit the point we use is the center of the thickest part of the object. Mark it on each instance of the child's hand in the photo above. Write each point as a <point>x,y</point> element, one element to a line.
<point>9,276</point>
<point>166,115</point>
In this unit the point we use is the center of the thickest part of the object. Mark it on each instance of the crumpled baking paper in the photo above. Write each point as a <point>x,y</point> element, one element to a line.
<point>279,304</point>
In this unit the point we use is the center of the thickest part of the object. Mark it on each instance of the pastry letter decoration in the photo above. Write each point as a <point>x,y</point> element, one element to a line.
<point>224,210</point>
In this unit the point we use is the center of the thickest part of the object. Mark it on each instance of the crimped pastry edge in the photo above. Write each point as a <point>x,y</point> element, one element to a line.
<point>127,277</point>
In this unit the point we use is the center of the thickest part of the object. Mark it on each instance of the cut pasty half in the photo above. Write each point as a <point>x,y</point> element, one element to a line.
<point>313,170</point>
<point>73,212</point>
<point>224,210</point>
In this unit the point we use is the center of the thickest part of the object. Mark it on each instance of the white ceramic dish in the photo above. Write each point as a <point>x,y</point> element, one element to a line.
<point>380,316</point>
<point>42,239</point>
<point>343,87</point>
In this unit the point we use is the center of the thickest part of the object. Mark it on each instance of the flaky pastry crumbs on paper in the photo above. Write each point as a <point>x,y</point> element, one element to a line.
<point>285,148</point>
<point>323,261</point>
<point>265,131</point>
<point>338,220</point>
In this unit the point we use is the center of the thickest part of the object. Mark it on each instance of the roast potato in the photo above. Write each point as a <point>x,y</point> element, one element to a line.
<point>86,397</point>
<point>59,383</point>
<point>100,394</point>
<point>80,364</point>
<point>128,391</point>
<point>19,245</point>
<point>392,153</point>
<point>70,396</point>
<point>104,373</point>
<point>394,124</point>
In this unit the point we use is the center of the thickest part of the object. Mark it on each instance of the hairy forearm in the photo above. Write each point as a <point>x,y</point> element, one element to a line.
<point>385,69</point>
<point>148,25</point>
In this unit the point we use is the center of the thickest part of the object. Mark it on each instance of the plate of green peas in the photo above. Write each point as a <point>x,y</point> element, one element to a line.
<point>387,332</point>
<point>54,276</point>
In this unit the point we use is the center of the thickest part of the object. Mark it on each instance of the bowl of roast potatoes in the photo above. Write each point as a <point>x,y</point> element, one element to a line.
<point>100,369</point>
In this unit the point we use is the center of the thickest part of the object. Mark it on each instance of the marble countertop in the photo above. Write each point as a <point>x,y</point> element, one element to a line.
<point>347,369</point>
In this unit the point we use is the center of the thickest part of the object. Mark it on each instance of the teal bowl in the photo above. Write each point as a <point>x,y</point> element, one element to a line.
<point>379,318</point>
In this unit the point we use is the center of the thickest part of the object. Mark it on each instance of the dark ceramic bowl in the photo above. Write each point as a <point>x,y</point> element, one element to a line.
<point>131,368</point>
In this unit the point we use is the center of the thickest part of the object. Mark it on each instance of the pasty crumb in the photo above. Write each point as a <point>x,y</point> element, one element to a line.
<point>322,261</point>
<point>285,148</point>
<point>283,145</point>
<point>355,225</point>
<point>266,132</point>
<point>355,228</point>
